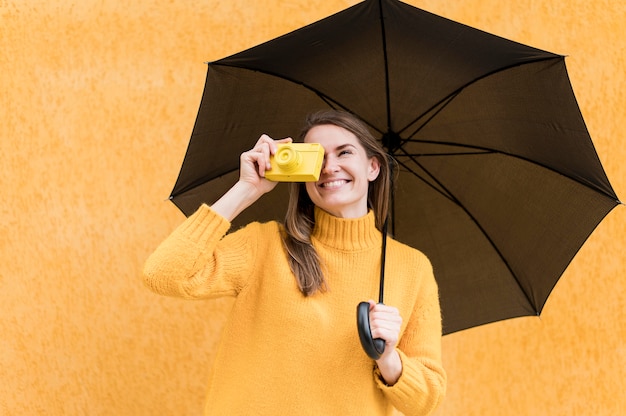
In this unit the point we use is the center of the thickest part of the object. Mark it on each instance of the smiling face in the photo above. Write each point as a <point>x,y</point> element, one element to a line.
<point>343,185</point>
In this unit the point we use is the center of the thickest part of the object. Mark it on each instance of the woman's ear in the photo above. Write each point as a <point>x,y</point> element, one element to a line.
<point>373,169</point>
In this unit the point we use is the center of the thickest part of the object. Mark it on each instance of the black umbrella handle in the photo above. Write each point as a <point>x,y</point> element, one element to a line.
<point>374,348</point>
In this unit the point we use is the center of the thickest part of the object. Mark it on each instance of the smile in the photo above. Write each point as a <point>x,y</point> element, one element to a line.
<point>333,184</point>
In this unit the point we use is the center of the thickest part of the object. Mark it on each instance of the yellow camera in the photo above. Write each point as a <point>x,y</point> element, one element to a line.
<point>296,162</point>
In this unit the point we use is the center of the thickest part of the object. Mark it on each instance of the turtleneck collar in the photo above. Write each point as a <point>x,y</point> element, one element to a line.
<point>346,233</point>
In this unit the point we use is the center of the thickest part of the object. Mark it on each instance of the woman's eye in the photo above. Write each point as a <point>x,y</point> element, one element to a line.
<point>345,152</point>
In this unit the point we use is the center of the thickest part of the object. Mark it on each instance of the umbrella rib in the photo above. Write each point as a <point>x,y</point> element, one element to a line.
<point>452,198</point>
<point>334,104</point>
<point>445,192</point>
<point>385,60</point>
<point>442,104</point>
<point>447,99</point>
<point>486,150</point>
<point>409,169</point>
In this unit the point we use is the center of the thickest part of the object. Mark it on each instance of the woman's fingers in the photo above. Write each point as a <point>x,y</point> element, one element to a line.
<point>256,161</point>
<point>263,161</point>
<point>263,150</point>
<point>385,323</point>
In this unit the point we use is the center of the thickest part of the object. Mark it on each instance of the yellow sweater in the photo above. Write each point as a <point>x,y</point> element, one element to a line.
<point>285,354</point>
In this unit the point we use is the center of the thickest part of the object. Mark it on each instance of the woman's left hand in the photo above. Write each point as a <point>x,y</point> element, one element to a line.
<point>385,323</point>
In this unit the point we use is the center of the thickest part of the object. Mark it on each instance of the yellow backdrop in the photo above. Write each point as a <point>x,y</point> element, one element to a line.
<point>98,99</point>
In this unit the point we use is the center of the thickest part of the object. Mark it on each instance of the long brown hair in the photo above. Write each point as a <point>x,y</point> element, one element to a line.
<point>299,219</point>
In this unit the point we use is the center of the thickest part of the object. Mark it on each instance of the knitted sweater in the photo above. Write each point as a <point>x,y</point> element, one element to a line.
<point>282,353</point>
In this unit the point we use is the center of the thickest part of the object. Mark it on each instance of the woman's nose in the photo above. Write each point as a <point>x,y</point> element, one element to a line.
<point>330,165</point>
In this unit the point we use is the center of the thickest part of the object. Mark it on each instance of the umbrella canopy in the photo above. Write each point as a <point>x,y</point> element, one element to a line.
<point>499,183</point>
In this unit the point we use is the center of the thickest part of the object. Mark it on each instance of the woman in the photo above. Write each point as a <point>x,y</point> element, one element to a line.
<point>290,345</point>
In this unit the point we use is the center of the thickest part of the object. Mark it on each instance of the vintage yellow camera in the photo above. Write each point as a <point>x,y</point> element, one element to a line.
<point>296,162</point>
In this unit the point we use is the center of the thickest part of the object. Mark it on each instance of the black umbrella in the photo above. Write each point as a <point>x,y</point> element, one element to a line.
<point>500,184</point>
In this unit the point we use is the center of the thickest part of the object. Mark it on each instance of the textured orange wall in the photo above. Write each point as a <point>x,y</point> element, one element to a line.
<point>98,99</point>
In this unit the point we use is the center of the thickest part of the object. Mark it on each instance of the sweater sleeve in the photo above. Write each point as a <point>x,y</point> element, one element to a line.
<point>422,385</point>
<point>196,261</point>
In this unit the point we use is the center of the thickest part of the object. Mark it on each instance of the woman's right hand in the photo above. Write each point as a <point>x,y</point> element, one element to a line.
<point>252,183</point>
<point>256,161</point>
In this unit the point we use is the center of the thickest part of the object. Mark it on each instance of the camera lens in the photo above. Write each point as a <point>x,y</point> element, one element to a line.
<point>288,158</point>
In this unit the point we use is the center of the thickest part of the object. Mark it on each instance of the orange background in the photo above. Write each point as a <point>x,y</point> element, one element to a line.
<point>98,99</point>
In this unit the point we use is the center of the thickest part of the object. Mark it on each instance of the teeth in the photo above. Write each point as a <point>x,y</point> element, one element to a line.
<point>333,184</point>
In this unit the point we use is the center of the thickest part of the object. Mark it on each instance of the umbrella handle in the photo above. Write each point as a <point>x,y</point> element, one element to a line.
<point>373,347</point>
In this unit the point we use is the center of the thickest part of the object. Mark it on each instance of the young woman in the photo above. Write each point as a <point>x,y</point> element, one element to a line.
<point>290,345</point>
